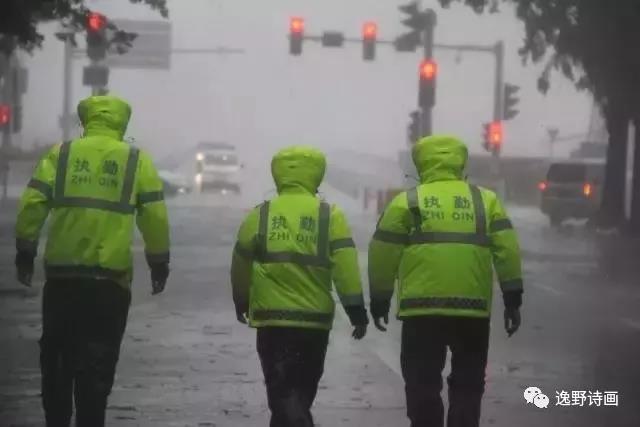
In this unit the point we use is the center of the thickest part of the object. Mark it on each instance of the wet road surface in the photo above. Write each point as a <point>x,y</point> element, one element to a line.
<point>187,362</point>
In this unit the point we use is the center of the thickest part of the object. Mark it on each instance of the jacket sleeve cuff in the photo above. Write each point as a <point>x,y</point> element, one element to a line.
<point>357,315</point>
<point>512,299</point>
<point>157,258</point>
<point>27,246</point>
<point>241,304</point>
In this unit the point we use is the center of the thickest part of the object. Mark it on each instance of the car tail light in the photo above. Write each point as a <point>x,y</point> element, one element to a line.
<point>542,186</point>
<point>587,190</point>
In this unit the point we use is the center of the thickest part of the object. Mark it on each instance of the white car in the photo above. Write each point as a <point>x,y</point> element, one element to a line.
<point>217,168</point>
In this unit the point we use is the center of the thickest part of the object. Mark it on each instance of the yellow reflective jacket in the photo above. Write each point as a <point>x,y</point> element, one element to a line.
<point>442,239</point>
<point>292,248</point>
<point>92,187</point>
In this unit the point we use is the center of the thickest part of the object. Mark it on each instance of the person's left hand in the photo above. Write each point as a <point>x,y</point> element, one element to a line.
<point>24,268</point>
<point>512,320</point>
<point>241,316</point>
<point>159,276</point>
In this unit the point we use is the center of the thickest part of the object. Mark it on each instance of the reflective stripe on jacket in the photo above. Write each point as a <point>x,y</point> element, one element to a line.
<point>289,251</point>
<point>95,188</point>
<point>441,240</point>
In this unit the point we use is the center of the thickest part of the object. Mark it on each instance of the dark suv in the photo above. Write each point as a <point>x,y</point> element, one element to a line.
<point>572,189</point>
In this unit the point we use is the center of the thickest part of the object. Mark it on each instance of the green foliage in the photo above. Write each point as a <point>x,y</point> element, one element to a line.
<point>594,43</point>
<point>20,18</point>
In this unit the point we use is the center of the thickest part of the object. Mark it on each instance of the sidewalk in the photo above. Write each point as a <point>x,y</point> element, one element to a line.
<point>197,368</point>
<point>186,361</point>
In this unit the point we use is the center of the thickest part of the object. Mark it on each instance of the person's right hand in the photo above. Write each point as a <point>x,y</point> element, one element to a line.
<point>379,312</point>
<point>24,268</point>
<point>359,331</point>
<point>159,276</point>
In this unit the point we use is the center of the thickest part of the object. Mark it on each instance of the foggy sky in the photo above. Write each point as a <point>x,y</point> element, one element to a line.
<point>265,99</point>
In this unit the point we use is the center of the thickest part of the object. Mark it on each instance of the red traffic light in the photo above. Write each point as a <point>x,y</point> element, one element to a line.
<point>96,22</point>
<point>5,114</point>
<point>369,30</point>
<point>296,25</point>
<point>495,133</point>
<point>428,69</point>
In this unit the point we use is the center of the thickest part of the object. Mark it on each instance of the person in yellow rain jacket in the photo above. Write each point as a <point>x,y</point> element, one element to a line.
<point>92,189</point>
<point>289,251</point>
<point>441,241</point>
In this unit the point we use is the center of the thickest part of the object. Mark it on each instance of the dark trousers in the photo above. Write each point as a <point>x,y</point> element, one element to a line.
<point>83,321</point>
<point>424,349</point>
<point>292,362</point>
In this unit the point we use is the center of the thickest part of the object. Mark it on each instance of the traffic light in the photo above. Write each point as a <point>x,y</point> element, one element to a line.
<point>427,92</point>
<point>97,42</point>
<point>5,115</point>
<point>296,35</point>
<point>510,101</point>
<point>369,38</point>
<point>416,21</point>
<point>493,136</point>
<point>413,130</point>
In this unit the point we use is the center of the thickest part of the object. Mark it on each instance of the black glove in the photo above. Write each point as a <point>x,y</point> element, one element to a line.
<point>512,299</point>
<point>512,320</point>
<point>159,276</point>
<point>24,267</point>
<point>358,318</point>
<point>512,303</point>
<point>241,314</point>
<point>380,311</point>
<point>359,331</point>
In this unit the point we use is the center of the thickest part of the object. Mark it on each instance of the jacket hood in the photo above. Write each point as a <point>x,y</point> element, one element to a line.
<point>104,116</point>
<point>440,158</point>
<point>298,168</point>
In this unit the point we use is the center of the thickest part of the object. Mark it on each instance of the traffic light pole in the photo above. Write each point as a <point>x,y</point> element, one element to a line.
<point>498,98</point>
<point>498,52</point>
<point>498,107</point>
<point>426,118</point>
<point>66,95</point>
<point>98,90</point>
